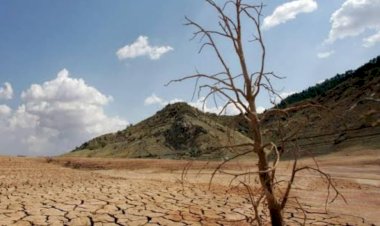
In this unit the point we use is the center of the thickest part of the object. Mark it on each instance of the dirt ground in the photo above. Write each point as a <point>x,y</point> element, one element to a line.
<point>63,191</point>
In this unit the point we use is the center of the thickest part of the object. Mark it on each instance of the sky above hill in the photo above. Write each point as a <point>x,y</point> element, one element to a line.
<point>71,70</point>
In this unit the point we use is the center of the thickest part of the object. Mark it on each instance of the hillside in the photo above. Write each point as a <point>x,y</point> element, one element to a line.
<point>177,131</point>
<point>355,78</point>
<point>350,117</point>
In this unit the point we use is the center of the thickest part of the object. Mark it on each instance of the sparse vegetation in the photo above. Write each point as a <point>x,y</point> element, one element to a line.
<point>174,132</point>
<point>370,69</point>
<point>354,103</point>
<point>194,152</point>
<point>355,99</point>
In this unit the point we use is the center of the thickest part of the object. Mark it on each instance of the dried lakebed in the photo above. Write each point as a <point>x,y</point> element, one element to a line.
<point>33,192</point>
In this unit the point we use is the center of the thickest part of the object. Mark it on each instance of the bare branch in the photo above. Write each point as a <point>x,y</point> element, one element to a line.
<point>241,89</point>
<point>255,203</point>
<point>330,183</point>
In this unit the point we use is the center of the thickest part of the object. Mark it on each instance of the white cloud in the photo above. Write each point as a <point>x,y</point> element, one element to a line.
<point>22,119</point>
<point>282,96</point>
<point>6,92</point>
<point>371,40</point>
<point>205,106</point>
<point>288,11</point>
<point>5,110</point>
<point>323,55</point>
<point>286,94</point>
<point>321,81</point>
<point>64,89</point>
<point>175,100</point>
<point>353,18</point>
<point>153,99</point>
<point>260,109</point>
<point>56,116</point>
<point>141,47</point>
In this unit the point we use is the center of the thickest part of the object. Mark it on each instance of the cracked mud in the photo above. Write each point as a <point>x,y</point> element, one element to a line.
<point>33,192</point>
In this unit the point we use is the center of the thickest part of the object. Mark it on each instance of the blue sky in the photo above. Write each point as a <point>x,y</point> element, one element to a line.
<point>79,40</point>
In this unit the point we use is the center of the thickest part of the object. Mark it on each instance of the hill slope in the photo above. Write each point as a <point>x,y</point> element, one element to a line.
<point>177,131</point>
<point>366,74</point>
<point>351,118</point>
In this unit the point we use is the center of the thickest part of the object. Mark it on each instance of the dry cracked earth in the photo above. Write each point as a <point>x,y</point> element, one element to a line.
<point>34,192</point>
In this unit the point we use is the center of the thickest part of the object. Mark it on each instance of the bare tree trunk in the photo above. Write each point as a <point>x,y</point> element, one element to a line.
<point>276,216</point>
<point>273,206</point>
<point>266,183</point>
<point>265,176</point>
<point>241,90</point>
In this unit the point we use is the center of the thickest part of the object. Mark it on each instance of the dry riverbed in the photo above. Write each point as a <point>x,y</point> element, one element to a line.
<point>37,191</point>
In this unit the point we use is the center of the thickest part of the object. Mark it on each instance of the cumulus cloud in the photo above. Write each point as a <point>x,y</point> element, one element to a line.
<point>260,109</point>
<point>5,110</point>
<point>285,94</point>
<point>371,40</point>
<point>321,81</point>
<point>323,55</point>
<point>203,105</point>
<point>355,17</point>
<point>6,92</point>
<point>288,11</point>
<point>200,104</point>
<point>154,99</point>
<point>141,47</point>
<point>281,96</point>
<point>22,119</point>
<point>64,89</point>
<point>56,116</point>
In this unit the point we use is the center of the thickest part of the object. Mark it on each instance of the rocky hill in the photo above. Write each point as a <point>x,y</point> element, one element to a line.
<point>350,117</point>
<point>177,131</point>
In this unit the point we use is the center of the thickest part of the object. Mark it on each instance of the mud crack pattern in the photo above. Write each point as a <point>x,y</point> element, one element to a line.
<point>37,193</point>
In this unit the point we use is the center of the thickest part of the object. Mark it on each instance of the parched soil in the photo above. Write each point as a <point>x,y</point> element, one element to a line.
<point>38,191</point>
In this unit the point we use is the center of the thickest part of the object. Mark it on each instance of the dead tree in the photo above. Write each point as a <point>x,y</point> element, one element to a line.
<point>241,89</point>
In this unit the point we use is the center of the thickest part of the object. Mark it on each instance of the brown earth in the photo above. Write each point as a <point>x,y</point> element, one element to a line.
<point>39,191</point>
